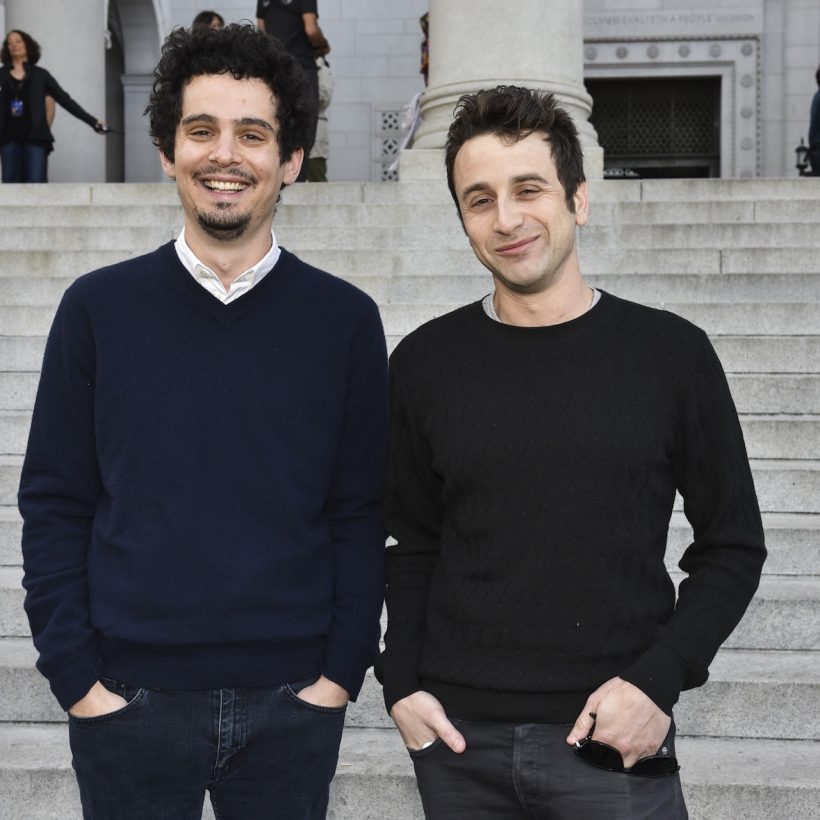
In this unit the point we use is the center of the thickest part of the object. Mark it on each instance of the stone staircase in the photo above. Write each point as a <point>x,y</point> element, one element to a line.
<point>739,257</point>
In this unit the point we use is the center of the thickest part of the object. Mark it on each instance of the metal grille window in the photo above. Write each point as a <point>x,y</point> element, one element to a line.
<point>658,126</point>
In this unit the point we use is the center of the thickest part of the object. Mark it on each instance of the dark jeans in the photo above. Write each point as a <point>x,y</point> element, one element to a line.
<point>528,772</point>
<point>23,162</point>
<point>262,753</point>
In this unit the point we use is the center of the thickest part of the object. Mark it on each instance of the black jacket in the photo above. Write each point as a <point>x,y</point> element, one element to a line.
<point>40,83</point>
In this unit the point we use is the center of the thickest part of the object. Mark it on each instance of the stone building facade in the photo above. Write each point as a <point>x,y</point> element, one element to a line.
<point>681,87</point>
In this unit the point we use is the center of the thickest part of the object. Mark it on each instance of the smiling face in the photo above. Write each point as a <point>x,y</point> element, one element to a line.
<point>515,212</point>
<point>227,164</point>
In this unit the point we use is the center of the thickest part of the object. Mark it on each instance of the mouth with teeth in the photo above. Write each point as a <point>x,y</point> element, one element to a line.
<point>221,185</point>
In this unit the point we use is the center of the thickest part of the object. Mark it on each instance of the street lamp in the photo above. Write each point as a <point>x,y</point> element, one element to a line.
<point>802,154</point>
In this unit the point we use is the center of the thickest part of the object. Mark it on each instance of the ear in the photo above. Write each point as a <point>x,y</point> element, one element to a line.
<point>167,166</point>
<point>292,166</point>
<point>581,200</point>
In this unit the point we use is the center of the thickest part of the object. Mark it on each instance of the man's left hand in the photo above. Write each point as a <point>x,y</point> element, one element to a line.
<point>627,720</point>
<point>324,693</point>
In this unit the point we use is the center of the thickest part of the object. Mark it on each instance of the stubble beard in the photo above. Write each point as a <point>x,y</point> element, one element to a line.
<point>221,224</point>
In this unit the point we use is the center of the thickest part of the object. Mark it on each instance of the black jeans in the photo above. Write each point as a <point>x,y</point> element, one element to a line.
<point>528,772</point>
<point>263,754</point>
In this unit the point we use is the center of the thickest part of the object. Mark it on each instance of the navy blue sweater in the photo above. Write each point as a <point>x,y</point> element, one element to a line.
<point>201,493</point>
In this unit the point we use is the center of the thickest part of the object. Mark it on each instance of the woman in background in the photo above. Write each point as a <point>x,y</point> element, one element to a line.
<point>25,136</point>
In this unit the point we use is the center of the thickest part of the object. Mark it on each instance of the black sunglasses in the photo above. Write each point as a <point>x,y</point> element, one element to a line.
<point>606,757</point>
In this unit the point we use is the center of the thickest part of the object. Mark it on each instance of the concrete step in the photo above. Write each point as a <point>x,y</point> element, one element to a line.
<point>783,486</point>
<point>85,217</point>
<point>723,190</point>
<point>768,354</point>
<point>682,235</point>
<point>771,436</point>
<point>723,779</point>
<point>781,690</point>
<point>11,530</point>
<point>63,263</point>
<point>786,486</point>
<point>83,193</point>
<point>129,240</point>
<point>783,615</point>
<point>755,355</point>
<point>792,541</point>
<point>710,212</point>
<point>758,259</point>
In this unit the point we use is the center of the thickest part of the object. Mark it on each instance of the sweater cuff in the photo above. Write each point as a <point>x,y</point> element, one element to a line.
<point>660,674</point>
<point>398,676</point>
<point>76,683</point>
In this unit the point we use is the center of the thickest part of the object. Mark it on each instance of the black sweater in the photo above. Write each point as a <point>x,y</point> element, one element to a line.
<point>40,83</point>
<point>532,478</point>
<point>202,490</point>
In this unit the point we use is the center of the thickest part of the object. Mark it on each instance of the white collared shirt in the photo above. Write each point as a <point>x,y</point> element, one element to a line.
<point>212,283</point>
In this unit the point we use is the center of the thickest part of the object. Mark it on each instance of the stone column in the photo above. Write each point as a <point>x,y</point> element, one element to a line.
<point>72,39</point>
<point>477,44</point>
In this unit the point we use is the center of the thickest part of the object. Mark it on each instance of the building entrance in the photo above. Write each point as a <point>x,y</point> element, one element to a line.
<point>658,127</point>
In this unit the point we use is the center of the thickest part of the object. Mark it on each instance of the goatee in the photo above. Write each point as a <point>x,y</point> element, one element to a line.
<point>223,226</point>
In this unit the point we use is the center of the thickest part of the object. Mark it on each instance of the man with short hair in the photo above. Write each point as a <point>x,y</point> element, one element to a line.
<point>538,438</point>
<point>201,495</point>
<point>295,23</point>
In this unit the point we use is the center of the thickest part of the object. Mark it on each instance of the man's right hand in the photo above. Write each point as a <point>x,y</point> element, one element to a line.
<point>420,718</point>
<point>98,701</point>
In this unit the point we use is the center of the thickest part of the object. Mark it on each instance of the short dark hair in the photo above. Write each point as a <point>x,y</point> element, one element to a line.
<point>244,52</point>
<point>513,113</point>
<point>205,18</point>
<point>817,76</point>
<point>33,50</point>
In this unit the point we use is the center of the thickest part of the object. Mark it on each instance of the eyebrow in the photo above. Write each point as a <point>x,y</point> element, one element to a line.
<point>242,121</point>
<point>483,186</point>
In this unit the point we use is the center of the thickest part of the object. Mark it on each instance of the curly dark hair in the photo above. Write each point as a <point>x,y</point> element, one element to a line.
<point>513,113</point>
<point>33,50</point>
<point>242,51</point>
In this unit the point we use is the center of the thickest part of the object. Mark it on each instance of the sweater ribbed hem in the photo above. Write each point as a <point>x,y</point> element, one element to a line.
<point>247,665</point>
<point>507,707</point>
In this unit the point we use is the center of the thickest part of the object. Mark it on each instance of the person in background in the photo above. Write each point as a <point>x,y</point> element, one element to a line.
<point>203,542</point>
<point>295,23</point>
<point>25,88</point>
<point>814,130</point>
<point>317,163</point>
<point>424,22</point>
<point>210,19</point>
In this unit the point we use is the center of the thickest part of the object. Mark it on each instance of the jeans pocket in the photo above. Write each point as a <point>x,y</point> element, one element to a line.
<point>133,695</point>
<point>292,690</point>
<point>417,753</point>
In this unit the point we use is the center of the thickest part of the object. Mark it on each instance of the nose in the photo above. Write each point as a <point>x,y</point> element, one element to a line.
<point>223,150</point>
<point>508,215</point>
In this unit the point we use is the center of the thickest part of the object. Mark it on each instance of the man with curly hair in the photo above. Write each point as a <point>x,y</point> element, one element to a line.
<point>201,494</point>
